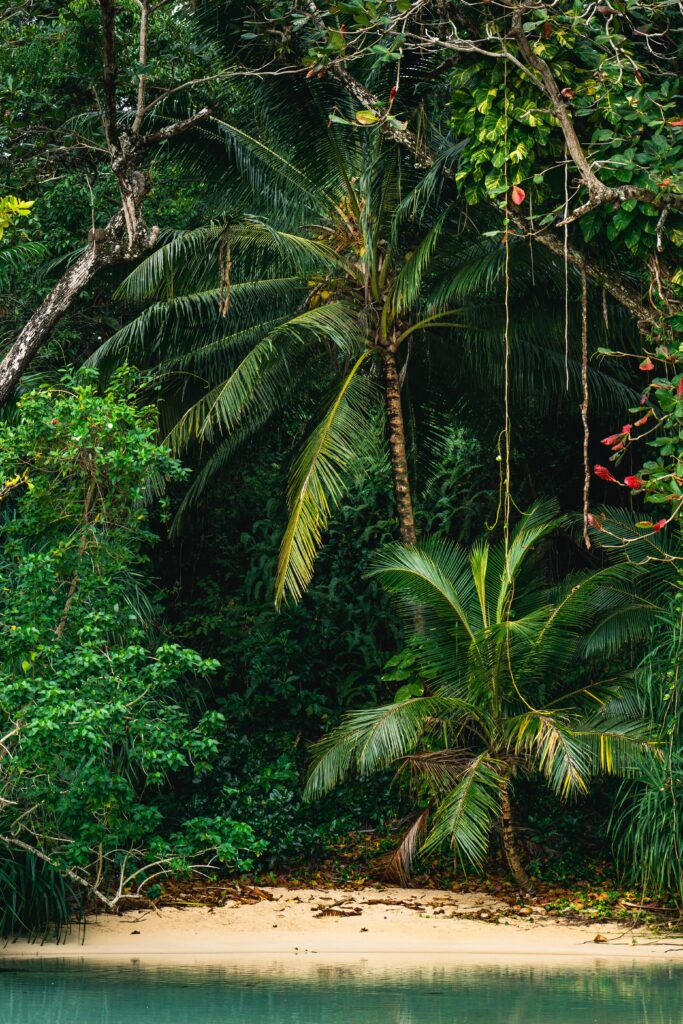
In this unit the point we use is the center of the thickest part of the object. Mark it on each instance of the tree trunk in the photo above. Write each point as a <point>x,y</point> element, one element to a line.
<point>397,447</point>
<point>512,854</point>
<point>106,245</point>
<point>52,308</point>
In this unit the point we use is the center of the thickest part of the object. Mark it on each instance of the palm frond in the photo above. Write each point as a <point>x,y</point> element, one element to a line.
<point>434,575</point>
<point>399,864</point>
<point>371,739</point>
<point>465,818</point>
<point>555,749</point>
<point>317,479</point>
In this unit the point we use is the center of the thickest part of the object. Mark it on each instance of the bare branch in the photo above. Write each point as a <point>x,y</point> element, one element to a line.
<point>142,55</point>
<point>177,128</point>
<point>19,844</point>
<point>109,72</point>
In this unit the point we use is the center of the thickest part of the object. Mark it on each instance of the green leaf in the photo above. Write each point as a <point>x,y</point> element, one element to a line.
<point>366,117</point>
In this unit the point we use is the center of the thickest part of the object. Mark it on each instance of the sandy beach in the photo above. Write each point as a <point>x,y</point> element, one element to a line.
<point>328,923</point>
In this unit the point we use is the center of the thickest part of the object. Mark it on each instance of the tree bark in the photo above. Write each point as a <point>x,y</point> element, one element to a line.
<point>512,854</point>
<point>397,447</point>
<point>52,308</point>
<point>126,236</point>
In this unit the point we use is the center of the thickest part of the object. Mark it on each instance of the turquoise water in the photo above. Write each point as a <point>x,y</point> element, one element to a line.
<point>64,992</point>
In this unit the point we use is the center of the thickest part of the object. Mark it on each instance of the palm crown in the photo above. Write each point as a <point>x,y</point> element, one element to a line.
<point>498,648</point>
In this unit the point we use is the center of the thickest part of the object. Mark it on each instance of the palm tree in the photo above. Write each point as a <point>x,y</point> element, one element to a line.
<point>346,285</point>
<point>346,259</point>
<point>502,652</point>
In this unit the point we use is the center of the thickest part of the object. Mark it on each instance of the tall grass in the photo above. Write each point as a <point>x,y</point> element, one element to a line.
<point>35,901</point>
<point>647,822</point>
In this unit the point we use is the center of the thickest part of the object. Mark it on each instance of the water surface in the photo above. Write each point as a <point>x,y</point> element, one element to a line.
<point>271,992</point>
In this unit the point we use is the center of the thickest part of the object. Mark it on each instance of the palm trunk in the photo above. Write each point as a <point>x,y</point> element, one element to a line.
<point>512,854</point>
<point>397,446</point>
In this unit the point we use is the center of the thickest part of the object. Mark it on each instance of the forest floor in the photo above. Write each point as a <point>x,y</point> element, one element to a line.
<point>247,920</point>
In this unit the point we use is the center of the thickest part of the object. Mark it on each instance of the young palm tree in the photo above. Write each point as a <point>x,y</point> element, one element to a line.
<point>506,657</point>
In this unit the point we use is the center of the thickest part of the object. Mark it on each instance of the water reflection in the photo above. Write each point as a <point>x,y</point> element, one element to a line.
<point>367,992</point>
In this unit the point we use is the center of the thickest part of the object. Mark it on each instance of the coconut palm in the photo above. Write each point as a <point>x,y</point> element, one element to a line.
<point>346,286</point>
<point>506,657</point>
<point>347,258</point>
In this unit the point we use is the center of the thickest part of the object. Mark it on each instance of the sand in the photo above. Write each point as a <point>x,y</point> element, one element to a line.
<point>388,922</point>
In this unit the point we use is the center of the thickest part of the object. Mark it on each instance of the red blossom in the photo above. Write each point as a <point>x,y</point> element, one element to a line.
<point>392,93</point>
<point>659,525</point>
<point>679,389</point>
<point>677,124</point>
<point>627,428</point>
<point>634,481</point>
<point>643,419</point>
<point>567,92</point>
<point>646,365</point>
<point>518,195</point>
<point>603,473</point>
<point>594,521</point>
<point>612,439</point>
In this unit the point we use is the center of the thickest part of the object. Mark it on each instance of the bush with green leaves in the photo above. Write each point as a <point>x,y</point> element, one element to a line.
<point>97,711</point>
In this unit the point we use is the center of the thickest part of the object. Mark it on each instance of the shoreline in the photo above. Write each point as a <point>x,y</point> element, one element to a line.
<point>316,925</point>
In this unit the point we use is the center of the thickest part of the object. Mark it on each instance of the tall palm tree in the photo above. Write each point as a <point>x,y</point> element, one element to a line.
<point>507,659</point>
<point>348,284</point>
<point>347,258</point>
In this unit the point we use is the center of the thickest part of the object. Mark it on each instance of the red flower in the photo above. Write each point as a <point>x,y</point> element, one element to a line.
<point>647,364</point>
<point>679,389</point>
<point>634,481</point>
<point>518,195</point>
<point>627,428</point>
<point>567,92</point>
<point>53,422</point>
<point>659,524</point>
<point>665,183</point>
<point>603,473</point>
<point>392,93</point>
<point>677,124</point>
<point>612,439</point>
<point>643,419</point>
<point>594,521</point>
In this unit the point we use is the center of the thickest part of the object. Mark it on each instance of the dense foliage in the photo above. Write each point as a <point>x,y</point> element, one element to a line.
<point>305,306</point>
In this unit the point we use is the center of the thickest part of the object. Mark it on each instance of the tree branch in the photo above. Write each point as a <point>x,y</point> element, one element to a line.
<point>622,291</point>
<point>142,56</point>
<point>109,73</point>
<point>177,128</point>
<point>598,192</point>
<point>19,844</point>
